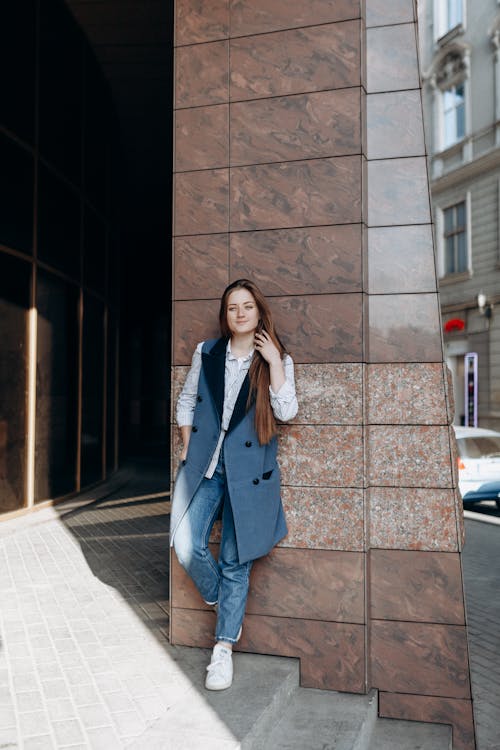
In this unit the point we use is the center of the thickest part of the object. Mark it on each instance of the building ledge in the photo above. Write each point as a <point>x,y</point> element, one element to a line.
<point>455,278</point>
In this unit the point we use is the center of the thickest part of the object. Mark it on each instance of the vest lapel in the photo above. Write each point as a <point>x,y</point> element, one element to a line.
<point>240,407</point>
<point>214,364</point>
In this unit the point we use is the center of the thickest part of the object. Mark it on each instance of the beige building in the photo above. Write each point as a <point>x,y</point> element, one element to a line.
<point>460,65</point>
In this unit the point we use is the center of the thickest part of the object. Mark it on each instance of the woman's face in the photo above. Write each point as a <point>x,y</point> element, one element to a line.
<point>242,312</point>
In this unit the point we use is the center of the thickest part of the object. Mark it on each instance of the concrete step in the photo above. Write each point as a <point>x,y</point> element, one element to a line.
<point>265,709</point>
<point>392,734</point>
<point>234,719</point>
<point>324,720</point>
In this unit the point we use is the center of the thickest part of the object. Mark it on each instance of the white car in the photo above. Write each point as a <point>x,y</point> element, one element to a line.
<point>478,464</point>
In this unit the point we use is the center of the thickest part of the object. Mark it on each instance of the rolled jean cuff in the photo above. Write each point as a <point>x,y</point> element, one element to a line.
<point>223,638</point>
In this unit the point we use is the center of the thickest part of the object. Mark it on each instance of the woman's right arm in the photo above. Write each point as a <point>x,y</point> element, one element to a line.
<point>187,401</point>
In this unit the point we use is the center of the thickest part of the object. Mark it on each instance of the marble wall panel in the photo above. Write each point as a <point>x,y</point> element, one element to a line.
<point>458,713</point>
<point>329,393</point>
<point>200,266</point>
<point>311,260</point>
<point>321,327</point>
<point>401,259</point>
<point>321,456</point>
<point>314,58</point>
<point>202,74</point>
<point>386,12</point>
<point>307,126</point>
<point>406,394</point>
<point>262,16</point>
<point>296,194</point>
<point>394,124</point>
<point>409,456</point>
<point>416,587</point>
<point>202,138</point>
<point>201,21</point>
<point>391,58</point>
<point>331,654</point>
<point>201,202</point>
<point>404,328</point>
<point>412,518</point>
<point>397,192</point>
<point>420,658</point>
<point>193,321</point>
<point>320,518</point>
<point>309,584</point>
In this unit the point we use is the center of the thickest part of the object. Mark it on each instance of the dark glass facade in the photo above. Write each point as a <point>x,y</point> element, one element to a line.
<point>59,292</point>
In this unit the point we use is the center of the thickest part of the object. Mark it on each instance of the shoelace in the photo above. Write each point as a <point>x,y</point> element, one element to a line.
<point>217,666</point>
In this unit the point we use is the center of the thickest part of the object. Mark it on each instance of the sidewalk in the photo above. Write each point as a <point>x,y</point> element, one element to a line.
<point>84,656</point>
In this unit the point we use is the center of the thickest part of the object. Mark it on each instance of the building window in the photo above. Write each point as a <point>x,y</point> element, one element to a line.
<point>450,14</point>
<point>455,239</point>
<point>453,115</point>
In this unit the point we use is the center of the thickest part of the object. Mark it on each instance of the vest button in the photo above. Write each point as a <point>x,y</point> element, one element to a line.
<point>248,444</point>
<point>256,481</point>
<point>199,399</point>
<point>195,429</point>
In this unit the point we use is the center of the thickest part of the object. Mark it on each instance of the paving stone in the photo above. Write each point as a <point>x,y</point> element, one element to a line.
<point>68,732</point>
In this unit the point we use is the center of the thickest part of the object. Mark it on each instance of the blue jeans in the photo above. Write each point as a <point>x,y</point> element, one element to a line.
<point>225,581</point>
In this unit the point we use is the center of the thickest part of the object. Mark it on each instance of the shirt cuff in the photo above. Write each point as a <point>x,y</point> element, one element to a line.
<point>285,394</point>
<point>184,417</point>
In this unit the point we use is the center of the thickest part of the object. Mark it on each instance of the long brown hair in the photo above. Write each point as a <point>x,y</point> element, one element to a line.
<point>260,379</point>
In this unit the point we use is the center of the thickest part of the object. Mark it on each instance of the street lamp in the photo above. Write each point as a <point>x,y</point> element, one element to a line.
<point>485,307</point>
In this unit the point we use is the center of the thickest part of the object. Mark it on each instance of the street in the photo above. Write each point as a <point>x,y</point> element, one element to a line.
<point>481,566</point>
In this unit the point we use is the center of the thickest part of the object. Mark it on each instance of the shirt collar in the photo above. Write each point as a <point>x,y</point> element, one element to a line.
<point>230,355</point>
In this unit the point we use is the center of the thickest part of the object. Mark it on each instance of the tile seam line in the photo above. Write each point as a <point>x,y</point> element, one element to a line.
<point>230,37</point>
<point>268,163</point>
<point>304,226</point>
<point>274,96</point>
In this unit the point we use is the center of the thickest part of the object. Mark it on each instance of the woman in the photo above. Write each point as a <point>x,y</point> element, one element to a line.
<point>237,386</point>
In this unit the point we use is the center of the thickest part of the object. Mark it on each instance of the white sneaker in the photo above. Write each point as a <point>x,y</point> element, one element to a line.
<point>220,669</point>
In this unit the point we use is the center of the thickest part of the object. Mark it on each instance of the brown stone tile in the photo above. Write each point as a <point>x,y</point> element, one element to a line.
<point>331,654</point>
<point>306,126</point>
<point>430,525</point>
<point>309,584</point>
<point>458,713</point>
<point>406,394</point>
<point>420,658</point>
<point>201,202</point>
<point>321,456</point>
<point>329,393</point>
<point>404,328</point>
<point>391,58</point>
<point>295,62</point>
<point>394,125</point>
<point>200,266</point>
<point>416,587</point>
<point>191,627</point>
<point>201,20</point>
<point>194,321</point>
<point>386,12</point>
<point>409,456</point>
<point>202,74</point>
<point>397,192</point>
<point>202,138</point>
<point>321,327</point>
<point>262,16</point>
<point>312,260</point>
<point>295,194</point>
<point>320,518</point>
<point>401,259</point>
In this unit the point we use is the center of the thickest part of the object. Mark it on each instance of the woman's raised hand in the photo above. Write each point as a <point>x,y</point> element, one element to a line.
<point>266,347</point>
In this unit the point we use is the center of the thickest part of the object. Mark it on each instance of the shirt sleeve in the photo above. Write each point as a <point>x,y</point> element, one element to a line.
<point>284,402</point>
<point>187,399</point>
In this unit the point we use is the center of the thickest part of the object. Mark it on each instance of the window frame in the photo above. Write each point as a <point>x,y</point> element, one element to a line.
<point>459,275</point>
<point>442,25</point>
